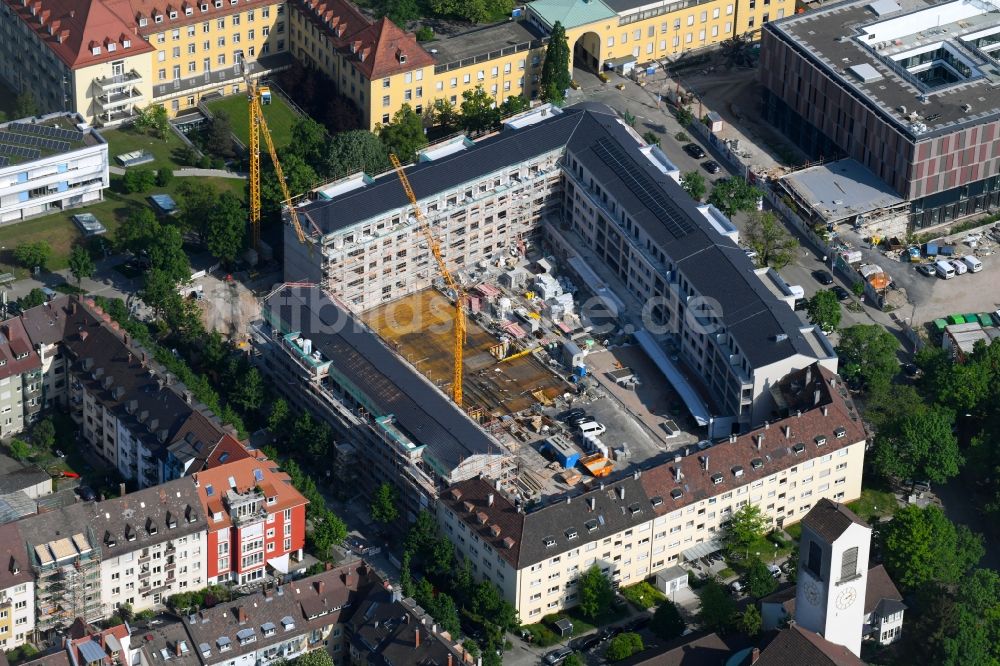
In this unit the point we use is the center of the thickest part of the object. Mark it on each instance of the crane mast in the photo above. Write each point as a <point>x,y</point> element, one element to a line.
<point>458,347</point>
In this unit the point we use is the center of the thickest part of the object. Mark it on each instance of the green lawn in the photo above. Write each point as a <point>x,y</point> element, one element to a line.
<point>58,230</point>
<point>127,140</point>
<point>280,118</point>
<point>644,595</point>
<point>873,503</point>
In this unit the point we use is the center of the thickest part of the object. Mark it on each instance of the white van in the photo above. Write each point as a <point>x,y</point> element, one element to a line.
<point>944,270</point>
<point>592,428</point>
<point>974,264</point>
<point>960,267</point>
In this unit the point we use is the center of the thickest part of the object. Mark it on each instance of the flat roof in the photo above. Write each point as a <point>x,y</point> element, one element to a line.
<point>486,41</point>
<point>31,139</point>
<point>571,13</point>
<point>841,189</point>
<point>855,42</point>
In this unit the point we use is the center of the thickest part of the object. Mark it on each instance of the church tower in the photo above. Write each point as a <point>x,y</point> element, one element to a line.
<point>832,574</point>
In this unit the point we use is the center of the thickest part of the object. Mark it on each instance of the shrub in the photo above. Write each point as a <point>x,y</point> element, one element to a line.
<point>681,136</point>
<point>164,176</point>
<point>138,180</point>
<point>425,34</point>
<point>205,162</point>
<point>624,646</point>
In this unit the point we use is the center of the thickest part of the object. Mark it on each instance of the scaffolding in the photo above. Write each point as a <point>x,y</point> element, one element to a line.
<point>68,574</point>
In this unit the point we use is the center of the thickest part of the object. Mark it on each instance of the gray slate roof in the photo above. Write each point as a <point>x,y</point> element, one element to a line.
<point>21,477</point>
<point>829,520</point>
<point>425,414</point>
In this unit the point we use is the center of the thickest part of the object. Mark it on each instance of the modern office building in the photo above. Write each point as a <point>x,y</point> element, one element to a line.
<point>572,178</point>
<point>49,164</point>
<point>401,428</point>
<point>104,59</point>
<point>639,525</point>
<point>256,518</point>
<point>907,89</point>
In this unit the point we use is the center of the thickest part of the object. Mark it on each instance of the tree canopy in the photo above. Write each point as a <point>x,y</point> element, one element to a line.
<point>81,264</point>
<point>867,355</point>
<point>718,608</point>
<point>824,310</point>
<point>624,646</point>
<point>918,444</point>
<point>353,151</point>
<point>479,111</point>
<point>667,622</point>
<point>555,69</point>
<point>226,228</point>
<point>733,195</point>
<point>694,184</point>
<point>596,592</point>
<point>923,546</point>
<point>759,580</point>
<point>404,136</point>
<point>385,505</point>
<point>767,237</point>
<point>33,254</point>
<point>747,524</point>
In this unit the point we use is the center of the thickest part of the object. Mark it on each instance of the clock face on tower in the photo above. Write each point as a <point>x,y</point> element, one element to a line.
<point>811,591</point>
<point>846,598</point>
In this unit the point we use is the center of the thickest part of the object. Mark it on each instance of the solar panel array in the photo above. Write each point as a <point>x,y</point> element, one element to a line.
<point>646,191</point>
<point>48,132</point>
<point>20,151</point>
<point>4,161</point>
<point>42,142</point>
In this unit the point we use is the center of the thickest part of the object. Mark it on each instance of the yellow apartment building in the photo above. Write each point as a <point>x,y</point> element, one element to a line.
<point>107,58</point>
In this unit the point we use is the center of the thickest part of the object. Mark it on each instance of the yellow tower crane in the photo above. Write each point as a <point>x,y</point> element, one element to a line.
<point>435,248</point>
<point>258,126</point>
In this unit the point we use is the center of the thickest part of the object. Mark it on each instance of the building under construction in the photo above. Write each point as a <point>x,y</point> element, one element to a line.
<point>68,575</point>
<point>391,420</point>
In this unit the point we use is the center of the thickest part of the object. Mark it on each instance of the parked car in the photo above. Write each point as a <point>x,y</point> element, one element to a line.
<point>694,150</point>
<point>86,493</point>
<point>841,293</point>
<point>823,277</point>
<point>557,657</point>
<point>926,269</point>
<point>577,420</point>
<point>571,414</point>
<point>736,587</point>
<point>711,166</point>
<point>587,643</point>
<point>638,623</point>
<point>775,570</point>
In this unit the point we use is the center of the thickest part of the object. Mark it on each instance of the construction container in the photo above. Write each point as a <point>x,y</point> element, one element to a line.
<point>598,465</point>
<point>940,325</point>
<point>566,454</point>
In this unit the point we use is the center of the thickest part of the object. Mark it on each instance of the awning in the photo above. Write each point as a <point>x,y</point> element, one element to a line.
<point>620,61</point>
<point>694,403</point>
<point>703,549</point>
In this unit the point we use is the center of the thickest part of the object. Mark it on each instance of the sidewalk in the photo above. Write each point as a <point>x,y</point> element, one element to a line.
<point>193,172</point>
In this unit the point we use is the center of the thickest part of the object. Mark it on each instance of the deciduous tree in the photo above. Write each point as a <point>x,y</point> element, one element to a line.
<point>479,111</point>
<point>357,150</point>
<point>624,646</point>
<point>765,235</point>
<point>734,195</point>
<point>918,445</point>
<point>33,254</point>
<point>867,354</point>
<point>921,546</point>
<point>81,264</point>
<point>718,609</point>
<point>226,228</point>
<point>747,524</point>
<point>385,505</point>
<point>759,580</point>
<point>667,622</point>
<point>824,310</point>
<point>404,136</point>
<point>694,184</point>
<point>596,592</point>
<point>750,621</point>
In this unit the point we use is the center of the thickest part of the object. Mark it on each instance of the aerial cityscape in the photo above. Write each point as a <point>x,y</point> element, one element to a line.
<point>442,332</point>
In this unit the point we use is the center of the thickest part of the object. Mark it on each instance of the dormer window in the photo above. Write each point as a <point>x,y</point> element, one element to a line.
<point>656,501</point>
<point>716,479</point>
<point>756,463</point>
<point>820,440</point>
<point>571,533</point>
<point>142,24</point>
<point>158,18</point>
<point>218,4</point>
<point>204,7</point>
<point>549,542</point>
<point>591,525</point>
<point>402,58</point>
<point>112,47</point>
<point>188,11</point>
<point>737,471</point>
<point>127,43</point>
<point>676,493</point>
<point>840,432</point>
<point>96,50</point>
<point>173,15</point>
<point>798,448</point>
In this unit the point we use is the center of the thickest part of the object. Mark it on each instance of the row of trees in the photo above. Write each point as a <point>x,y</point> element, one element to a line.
<point>449,591</point>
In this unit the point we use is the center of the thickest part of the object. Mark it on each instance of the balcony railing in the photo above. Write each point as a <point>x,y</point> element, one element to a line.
<point>119,98</point>
<point>108,82</point>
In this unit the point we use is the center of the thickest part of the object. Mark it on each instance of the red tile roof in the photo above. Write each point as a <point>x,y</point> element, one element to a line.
<point>243,473</point>
<point>383,49</point>
<point>14,343</point>
<point>74,28</point>
<point>149,9</point>
<point>338,19</point>
<point>796,646</point>
<point>120,633</point>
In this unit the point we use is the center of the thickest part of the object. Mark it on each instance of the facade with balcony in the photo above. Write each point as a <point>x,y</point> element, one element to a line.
<point>119,96</point>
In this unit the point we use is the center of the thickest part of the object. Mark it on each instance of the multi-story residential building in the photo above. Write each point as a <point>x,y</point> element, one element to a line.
<point>275,623</point>
<point>20,379</point>
<point>133,413</point>
<point>906,89</point>
<point>404,431</point>
<point>48,164</point>
<point>574,177</point>
<point>106,59</point>
<point>636,526</point>
<point>90,558</point>
<point>100,647</point>
<point>17,590</point>
<point>256,518</point>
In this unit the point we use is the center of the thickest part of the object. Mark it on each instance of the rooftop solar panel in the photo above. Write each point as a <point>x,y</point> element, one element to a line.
<point>34,141</point>
<point>48,131</point>
<point>4,161</point>
<point>20,151</point>
<point>644,189</point>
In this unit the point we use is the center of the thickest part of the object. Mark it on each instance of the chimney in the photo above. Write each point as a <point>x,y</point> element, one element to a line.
<point>816,397</point>
<point>449,659</point>
<point>788,431</point>
<point>767,425</point>
<point>798,413</point>
<point>592,503</point>
<point>121,490</point>
<point>83,336</point>
<point>489,500</point>
<point>677,474</point>
<point>177,648</point>
<point>704,463</point>
<point>826,410</point>
<point>636,474</point>
<point>809,375</point>
<point>241,615</point>
<point>754,655</point>
<point>125,340</point>
<point>758,440</point>
<point>621,493</point>
<point>569,499</point>
<point>416,637</point>
<point>320,585</point>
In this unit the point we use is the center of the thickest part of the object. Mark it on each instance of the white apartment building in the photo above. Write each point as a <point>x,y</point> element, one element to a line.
<point>17,590</point>
<point>638,525</point>
<point>584,185</point>
<point>48,164</point>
